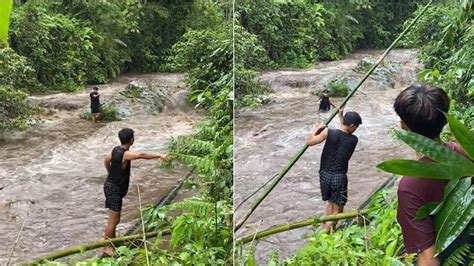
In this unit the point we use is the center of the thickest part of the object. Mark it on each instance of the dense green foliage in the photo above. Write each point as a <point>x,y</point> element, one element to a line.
<point>447,53</point>
<point>15,112</point>
<point>16,71</point>
<point>249,57</point>
<point>205,55</point>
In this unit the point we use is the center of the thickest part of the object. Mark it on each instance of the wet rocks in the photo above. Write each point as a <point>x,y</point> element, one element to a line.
<point>152,98</point>
<point>384,73</point>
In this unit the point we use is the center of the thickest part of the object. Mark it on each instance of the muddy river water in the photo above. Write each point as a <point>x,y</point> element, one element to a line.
<point>268,137</point>
<point>52,174</point>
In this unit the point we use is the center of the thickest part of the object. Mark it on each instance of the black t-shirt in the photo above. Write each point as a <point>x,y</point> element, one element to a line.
<point>119,175</point>
<point>337,151</point>
<point>324,103</point>
<point>95,102</point>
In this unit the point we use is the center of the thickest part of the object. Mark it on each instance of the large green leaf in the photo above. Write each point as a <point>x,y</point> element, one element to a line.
<point>462,134</point>
<point>424,169</point>
<point>426,209</point>
<point>447,192</point>
<point>432,149</point>
<point>5,9</point>
<point>455,214</point>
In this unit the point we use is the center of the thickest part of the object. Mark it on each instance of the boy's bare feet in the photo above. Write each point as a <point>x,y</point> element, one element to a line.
<point>109,251</point>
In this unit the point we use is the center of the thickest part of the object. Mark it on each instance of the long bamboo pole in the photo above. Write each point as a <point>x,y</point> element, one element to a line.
<point>94,245</point>
<point>302,151</point>
<point>286,227</point>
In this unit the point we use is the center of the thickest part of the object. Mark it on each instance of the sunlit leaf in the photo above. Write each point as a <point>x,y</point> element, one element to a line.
<point>456,213</point>
<point>5,9</point>
<point>432,149</point>
<point>426,210</point>
<point>463,135</point>
<point>447,191</point>
<point>423,169</point>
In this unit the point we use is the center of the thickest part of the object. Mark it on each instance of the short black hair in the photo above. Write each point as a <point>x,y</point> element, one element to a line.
<point>352,118</point>
<point>126,135</point>
<point>95,88</point>
<point>421,108</point>
<point>326,90</point>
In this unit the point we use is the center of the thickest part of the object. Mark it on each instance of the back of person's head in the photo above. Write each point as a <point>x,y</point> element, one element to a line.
<point>95,88</point>
<point>126,135</point>
<point>352,119</point>
<point>421,107</point>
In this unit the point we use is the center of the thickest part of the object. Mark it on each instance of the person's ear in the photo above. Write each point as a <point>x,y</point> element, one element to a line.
<point>404,126</point>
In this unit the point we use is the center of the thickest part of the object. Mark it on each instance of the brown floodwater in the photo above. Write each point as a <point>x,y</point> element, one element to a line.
<point>52,174</point>
<point>266,138</point>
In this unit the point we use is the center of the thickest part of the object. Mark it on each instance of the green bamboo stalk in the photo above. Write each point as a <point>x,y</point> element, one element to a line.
<point>94,245</point>
<point>287,227</point>
<point>334,113</point>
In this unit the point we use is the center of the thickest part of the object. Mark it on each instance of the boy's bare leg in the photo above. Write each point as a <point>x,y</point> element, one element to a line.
<point>328,211</point>
<point>335,210</point>
<point>112,222</point>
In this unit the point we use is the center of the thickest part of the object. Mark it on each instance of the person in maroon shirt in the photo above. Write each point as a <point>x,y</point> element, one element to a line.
<point>421,108</point>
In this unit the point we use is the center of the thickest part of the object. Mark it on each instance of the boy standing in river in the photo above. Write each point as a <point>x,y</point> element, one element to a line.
<point>95,103</point>
<point>338,149</point>
<point>324,102</point>
<point>421,109</point>
<point>118,165</point>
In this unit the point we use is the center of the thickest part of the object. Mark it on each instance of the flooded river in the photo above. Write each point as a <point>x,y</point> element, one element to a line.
<point>52,174</point>
<point>268,137</point>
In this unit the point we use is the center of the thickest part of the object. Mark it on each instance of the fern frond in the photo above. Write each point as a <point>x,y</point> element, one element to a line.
<point>193,205</point>
<point>459,255</point>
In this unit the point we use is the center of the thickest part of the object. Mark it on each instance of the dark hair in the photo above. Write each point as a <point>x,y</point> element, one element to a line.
<point>95,88</point>
<point>421,108</point>
<point>326,90</point>
<point>126,135</point>
<point>352,118</point>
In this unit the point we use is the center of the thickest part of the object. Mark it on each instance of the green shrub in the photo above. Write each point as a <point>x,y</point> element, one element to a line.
<point>429,27</point>
<point>206,56</point>
<point>337,88</point>
<point>15,112</point>
<point>447,54</point>
<point>107,113</point>
<point>16,71</point>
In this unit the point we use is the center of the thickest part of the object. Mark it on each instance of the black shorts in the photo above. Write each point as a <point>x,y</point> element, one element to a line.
<point>333,187</point>
<point>95,109</point>
<point>113,196</point>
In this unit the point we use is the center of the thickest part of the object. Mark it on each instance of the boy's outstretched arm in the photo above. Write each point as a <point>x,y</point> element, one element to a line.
<point>107,161</point>
<point>130,155</point>
<point>318,136</point>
